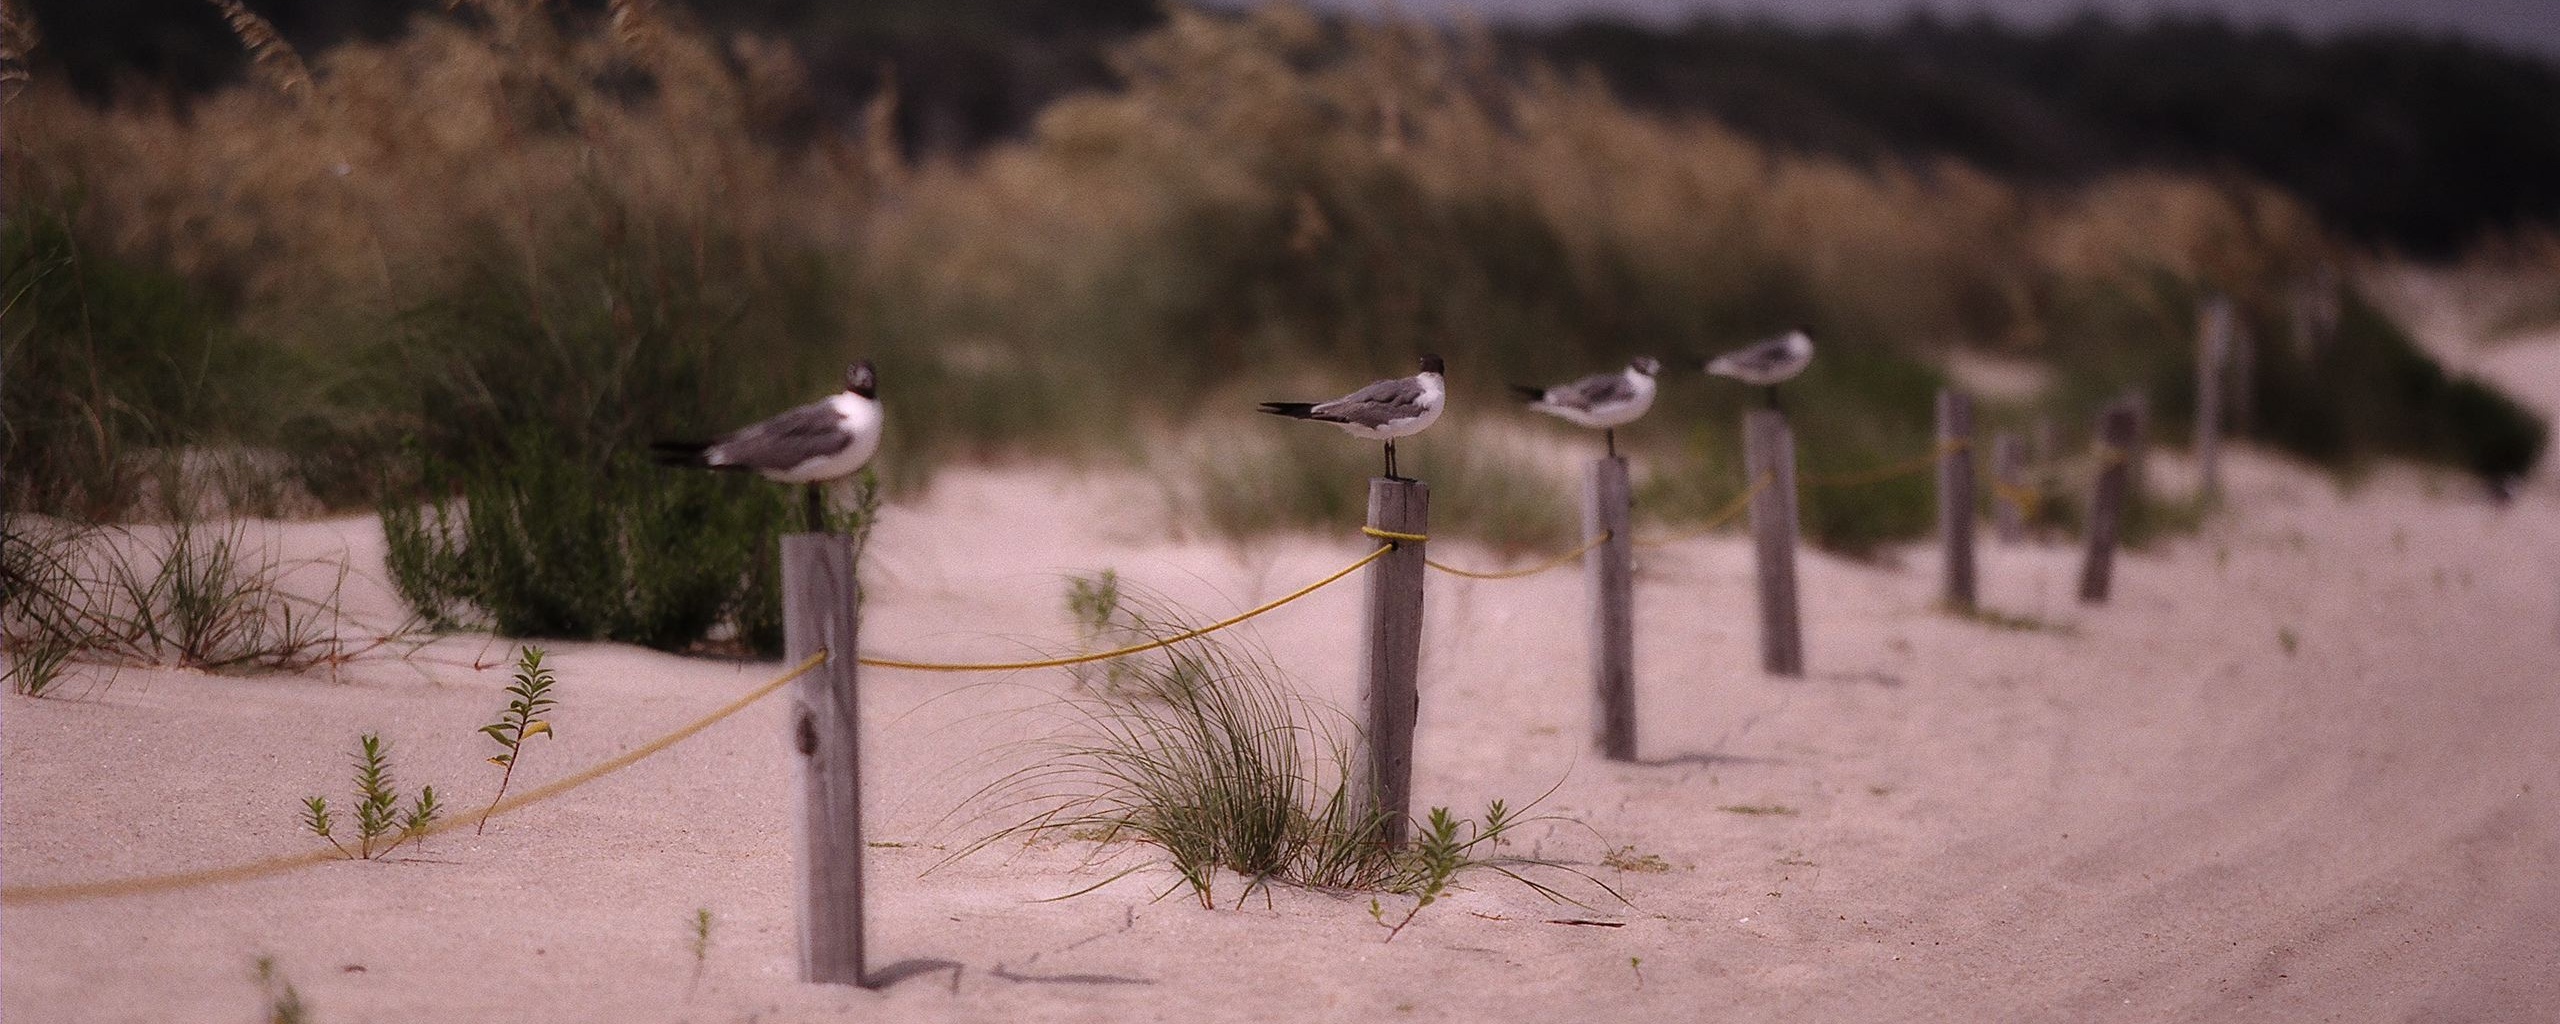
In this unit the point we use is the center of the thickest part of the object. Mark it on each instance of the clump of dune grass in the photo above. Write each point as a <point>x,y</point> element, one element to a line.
<point>1202,751</point>
<point>187,595</point>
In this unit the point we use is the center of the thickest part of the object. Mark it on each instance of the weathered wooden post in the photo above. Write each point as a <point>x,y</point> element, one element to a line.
<point>820,611</point>
<point>2213,348</point>
<point>1769,457</point>
<point>2244,379</point>
<point>1955,496</point>
<point>1607,502</point>
<point>2118,447</point>
<point>1391,659</point>
<point>2009,471</point>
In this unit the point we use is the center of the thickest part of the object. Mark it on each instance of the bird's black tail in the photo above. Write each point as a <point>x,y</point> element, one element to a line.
<point>1530,393</point>
<point>1293,410</point>
<point>678,453</point>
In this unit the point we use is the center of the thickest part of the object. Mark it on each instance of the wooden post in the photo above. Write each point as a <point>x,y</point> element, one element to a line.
<point>1391,660</point>
<point>1606,504</point>
<point>820,612</point>
<point>2244,380</point>
<point>2213,347</point>
<point>1955,496</point>
<point>1769,457</point>
<point>2009,469</point>
<point>2117,448</point>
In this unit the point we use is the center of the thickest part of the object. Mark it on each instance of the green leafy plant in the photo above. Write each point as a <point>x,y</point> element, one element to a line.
<point>530,697</point>
<point>701,934</point>
<point>284,1002</point>
<point>382,825</point>
<point>1436,856</point>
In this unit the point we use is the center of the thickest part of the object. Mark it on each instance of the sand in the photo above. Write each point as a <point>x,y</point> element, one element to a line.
<point>2304,767</point>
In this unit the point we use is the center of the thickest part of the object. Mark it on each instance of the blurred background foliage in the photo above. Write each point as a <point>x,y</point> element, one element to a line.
<point>1073,230</point>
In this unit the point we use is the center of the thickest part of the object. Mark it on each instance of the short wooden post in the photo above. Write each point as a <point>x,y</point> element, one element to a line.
<point>1391,659</point>
<point>2243,375</point>
<point>1608,567</point>
<point>2213,348</point>
<point>1955,497</point>
<point>2117,448</point>
<point>1769,457</point>
<point>819,612</point>
<point>2009,470</point>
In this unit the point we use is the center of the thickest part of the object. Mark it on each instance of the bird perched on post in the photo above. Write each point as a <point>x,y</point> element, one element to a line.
<point>1766,363</point>
<point>1604,400</point>
<point>1384,411</point>
<point>815,444</point>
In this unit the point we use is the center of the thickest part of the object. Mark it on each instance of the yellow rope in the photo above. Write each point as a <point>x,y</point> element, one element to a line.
<point>2028,499</point>
<point>1513,574</point>
<point>1392,535</point>
<point>22,894</point>
<point>921,666</point>
<point>1722,516</point>
<point>1883,473</point>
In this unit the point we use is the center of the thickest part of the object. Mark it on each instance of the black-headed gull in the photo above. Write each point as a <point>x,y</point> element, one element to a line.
<point>1605,401</point>
<point>815,444</point>
<point>1383,411</point>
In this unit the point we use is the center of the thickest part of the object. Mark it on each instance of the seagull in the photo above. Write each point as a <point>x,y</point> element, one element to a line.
<point>1604,400</point>
<point>1384,410</point>
<point>815,444</point>
<point>1767,363</point>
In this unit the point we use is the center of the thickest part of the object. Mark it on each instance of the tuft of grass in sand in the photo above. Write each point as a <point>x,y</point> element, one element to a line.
<point>1625,858</point>
<point>1201,750</point>
<point>1758,809</point>
<point>188,595</point>
<point>2008,621</point>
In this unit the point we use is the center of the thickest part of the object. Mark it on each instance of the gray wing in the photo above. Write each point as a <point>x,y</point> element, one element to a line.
<point>1376,405</point>
<point>808,432</point>
<point>1765,357</point>
<point>1591,391</point>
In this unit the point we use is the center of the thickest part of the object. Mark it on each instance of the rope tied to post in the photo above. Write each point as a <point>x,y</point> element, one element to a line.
<point>1393,536</point>
<point>1513,574</point>
<point>23,894</point>
<point>1723,515</point>
<point>1079,659</point>
<point>1906,467</point>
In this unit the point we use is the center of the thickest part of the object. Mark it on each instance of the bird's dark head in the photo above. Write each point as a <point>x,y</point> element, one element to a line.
<point>1431,364</point>
<point>862,379</point>
<point>1646,365</point>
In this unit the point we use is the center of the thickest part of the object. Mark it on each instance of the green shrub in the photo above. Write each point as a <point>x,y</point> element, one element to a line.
<point>543,545</point>
<point>111,366</point>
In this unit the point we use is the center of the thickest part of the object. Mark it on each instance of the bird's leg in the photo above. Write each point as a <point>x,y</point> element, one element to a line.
<point>1772,391</point>
<point>1611,433</point>
<point>1391,460</point>
<point>817,509</point>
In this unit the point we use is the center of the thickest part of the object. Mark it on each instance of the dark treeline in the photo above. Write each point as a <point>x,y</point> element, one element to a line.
<point>2422,143</point>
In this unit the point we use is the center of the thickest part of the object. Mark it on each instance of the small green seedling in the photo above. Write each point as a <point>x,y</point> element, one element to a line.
<point>284,1002</point>
<point>379,819</point>
<point>522,719</point>
<point>701,946</point>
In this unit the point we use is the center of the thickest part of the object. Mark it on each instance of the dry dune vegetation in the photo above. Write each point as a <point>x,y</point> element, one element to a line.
<point>511,216</point>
